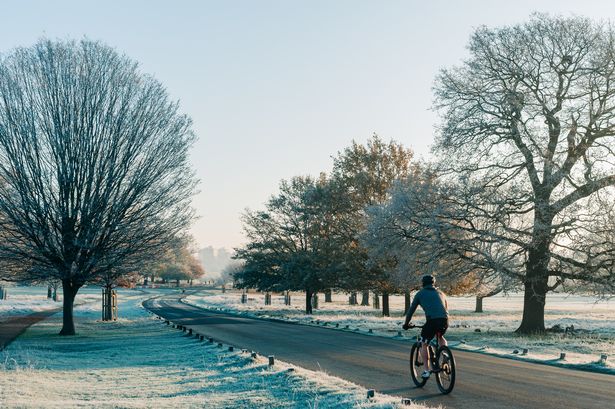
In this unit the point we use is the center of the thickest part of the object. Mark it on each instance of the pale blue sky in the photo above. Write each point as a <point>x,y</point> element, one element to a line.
<point>275,88</point>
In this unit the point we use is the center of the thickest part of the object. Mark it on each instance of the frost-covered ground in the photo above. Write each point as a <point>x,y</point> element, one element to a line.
<point>138,362</point>
<point>26,300</point>
<point>593,320</point>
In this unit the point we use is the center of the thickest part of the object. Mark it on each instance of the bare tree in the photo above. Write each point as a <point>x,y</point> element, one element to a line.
<point>93,164</point>
<point>405,229</point>
<point>528,127</point>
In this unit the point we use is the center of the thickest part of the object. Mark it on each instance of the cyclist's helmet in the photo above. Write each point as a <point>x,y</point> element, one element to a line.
<point>428,280</point>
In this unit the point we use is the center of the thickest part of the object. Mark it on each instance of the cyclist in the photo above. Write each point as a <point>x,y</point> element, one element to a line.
<point>433,301</point>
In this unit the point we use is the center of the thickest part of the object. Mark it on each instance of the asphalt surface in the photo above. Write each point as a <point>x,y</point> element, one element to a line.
<point>379,363</point>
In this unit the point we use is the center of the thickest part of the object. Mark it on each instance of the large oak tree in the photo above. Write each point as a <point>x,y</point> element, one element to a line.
<point>528,137</point>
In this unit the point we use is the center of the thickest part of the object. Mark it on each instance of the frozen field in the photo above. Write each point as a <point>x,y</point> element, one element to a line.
<point>593,320</point>
<point>138,362</point>
<point>25,300</point>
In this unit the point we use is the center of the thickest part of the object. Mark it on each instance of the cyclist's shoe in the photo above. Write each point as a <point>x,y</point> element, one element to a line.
<point>425,374</point>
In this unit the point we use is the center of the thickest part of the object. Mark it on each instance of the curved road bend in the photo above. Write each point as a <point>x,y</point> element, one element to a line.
<point>382,364</point>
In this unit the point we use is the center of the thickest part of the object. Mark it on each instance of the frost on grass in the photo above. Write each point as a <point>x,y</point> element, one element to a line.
<point>593,320</point>
<point>27,300</point>
<point>138,362</point>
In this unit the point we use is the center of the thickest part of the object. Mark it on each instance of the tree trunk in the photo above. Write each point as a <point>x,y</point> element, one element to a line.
<point>315,301</point>
<point>479,304</point>
<point>533,321</point>
<point>365,298</point>
<point>406,301</point>
<point>328,296</point>
<point>49,293</point>
<point>385,305</point>
<point>55,294</point>
<point>177,283</point>
<point>353,298</point>
<point>537,276</point>
<point>69,292</point>
<point>308,301</point>
<point>376,303</point>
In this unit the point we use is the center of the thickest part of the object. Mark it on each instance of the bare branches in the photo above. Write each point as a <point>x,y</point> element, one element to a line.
<point>93,161</point>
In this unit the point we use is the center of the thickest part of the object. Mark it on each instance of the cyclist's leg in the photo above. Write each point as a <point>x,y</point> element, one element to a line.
<point>425,356</point>
<point>427,334</point>
<point>440,333</point>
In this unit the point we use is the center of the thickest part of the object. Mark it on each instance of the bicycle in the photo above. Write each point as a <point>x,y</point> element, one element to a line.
<point>442,364</point>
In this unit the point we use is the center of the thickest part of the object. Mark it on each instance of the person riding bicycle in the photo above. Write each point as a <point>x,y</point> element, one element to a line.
<point>433,301</point>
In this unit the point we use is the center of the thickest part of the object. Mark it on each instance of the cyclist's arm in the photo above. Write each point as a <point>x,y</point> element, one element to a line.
<point>412,309</point>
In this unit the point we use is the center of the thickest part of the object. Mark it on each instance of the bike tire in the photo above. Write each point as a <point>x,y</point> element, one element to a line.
<point>417,366</point>
<point>445,377</point>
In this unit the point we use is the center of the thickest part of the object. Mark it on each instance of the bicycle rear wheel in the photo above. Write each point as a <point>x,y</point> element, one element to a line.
<point>417,366</point>
<point>445,375</point>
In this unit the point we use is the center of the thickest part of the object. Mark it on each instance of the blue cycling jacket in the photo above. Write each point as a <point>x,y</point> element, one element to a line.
<point>433,302</point>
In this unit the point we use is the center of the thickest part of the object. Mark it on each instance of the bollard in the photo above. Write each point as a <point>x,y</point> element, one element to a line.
<point>603,358</point>
<point>167,322</point>
<point>370,331</point>
<point>190,331</point>
<point>562,356</point>
<point>253,355</point>
<point>211,340</point>
<point>219,344</point>
<point>399,334</point>
<point>231,349</point>
<point>184,329</point>
<point>337,325</point>
<point>271,360</point>
<point>346,327</point>
<point>525,351</point>
<point>370,393</point>
<point>201,337</point>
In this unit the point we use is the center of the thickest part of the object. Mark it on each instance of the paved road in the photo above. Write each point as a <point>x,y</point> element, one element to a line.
<point>382,364</point>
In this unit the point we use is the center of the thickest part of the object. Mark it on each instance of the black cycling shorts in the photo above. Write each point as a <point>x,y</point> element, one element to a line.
<point>432,327</point>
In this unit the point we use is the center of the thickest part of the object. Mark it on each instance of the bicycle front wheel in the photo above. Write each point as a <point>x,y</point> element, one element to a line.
<point>417,366</point>
<point>445,376</point>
